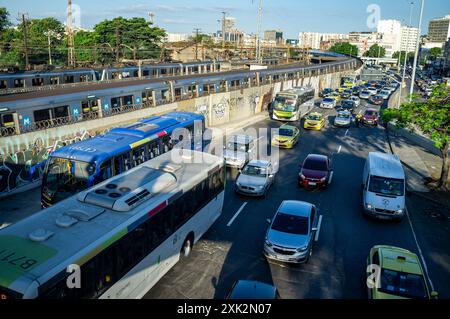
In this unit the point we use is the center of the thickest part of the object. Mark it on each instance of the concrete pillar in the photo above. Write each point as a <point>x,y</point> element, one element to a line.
<point>153,98</point>
<point>258,82</point>
<point>16,123</point>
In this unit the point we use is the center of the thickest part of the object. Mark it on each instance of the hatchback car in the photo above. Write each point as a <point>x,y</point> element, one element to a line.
<point>315,171</point>
<point>328,103</point>
<point>348,105</point>
<point>252,289</point>
<point>356,99</point>
<point>385,94</point>
<point>239,150</point>
<point>376,99</point>
<point>400,275</point>
<point>325,92</point>
<point>335,95</point>
<point>343,119</point>
<point>370,117</point>
<point>346,94</point>
<point>291,233</point>
<point>256,178</point>
<point>314,121</point>
<point>287,136</point>
<point>373,90</point>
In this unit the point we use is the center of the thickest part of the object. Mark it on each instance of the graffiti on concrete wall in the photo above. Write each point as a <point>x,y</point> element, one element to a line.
<point>219,109</point>
<point>20,167</point>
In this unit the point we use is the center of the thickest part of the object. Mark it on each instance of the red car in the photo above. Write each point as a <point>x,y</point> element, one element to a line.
<point>376,99</point>
<point>370,117</point>
<point>315,171</point>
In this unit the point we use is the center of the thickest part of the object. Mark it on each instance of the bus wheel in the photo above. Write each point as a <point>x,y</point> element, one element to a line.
<point>187,247</point>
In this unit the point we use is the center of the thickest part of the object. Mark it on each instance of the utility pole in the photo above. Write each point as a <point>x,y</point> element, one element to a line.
<point>258,33</point>
<point>25,40</point>
<point>224,14</point>
<point>70,41</point>
<point>196,42</point>
<point>117,33</point>
<point>406,58</point>
<point>49,34</point>
<point>413,75</point>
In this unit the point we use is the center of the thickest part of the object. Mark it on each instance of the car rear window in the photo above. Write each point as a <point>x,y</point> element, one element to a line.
<point>291,224</point>
<point>315,165</point>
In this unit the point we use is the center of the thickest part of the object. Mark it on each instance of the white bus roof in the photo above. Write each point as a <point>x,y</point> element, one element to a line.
<point>298,90</point>
<point>385,165</point>
<point>98,218</point>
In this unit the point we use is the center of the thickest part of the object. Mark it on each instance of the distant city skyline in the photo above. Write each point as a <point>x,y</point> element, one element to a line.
<point>290,16</point>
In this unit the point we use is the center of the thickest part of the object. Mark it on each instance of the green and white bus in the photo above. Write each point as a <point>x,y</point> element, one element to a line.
<point>292,104</point>
<point>121,235</point>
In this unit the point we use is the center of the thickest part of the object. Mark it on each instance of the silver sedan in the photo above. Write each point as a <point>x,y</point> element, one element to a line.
<point>256,178</point>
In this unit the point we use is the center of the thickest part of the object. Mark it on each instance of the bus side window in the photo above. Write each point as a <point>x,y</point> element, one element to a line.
<point>138,155</point>
<point>127,161</point>
<point>166,144</point>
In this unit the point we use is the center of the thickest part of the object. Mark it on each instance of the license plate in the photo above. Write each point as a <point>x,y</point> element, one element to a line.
<point>312,183</point>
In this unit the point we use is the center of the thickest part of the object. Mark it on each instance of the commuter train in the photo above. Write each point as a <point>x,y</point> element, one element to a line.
<point>20,113</point>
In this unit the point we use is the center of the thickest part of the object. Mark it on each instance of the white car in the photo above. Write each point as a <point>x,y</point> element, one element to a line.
<point>343,119</point>
<point>365,94</point>
<point>240,149</point>
<point>328,103</point>
<point>356,99</point>
<point>385,94</point>
<point>372,90</point>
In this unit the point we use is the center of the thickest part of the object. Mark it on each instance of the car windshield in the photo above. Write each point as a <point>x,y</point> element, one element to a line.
<point>282,103</point>
<point>64,177</point>
<point>234,146</point>
<point>347,104</point>
<point>314,117</point>
<point>402,284</point>
<point>315,165</point>
<point>253,170</point>
<point>343,115</point>
<point>365,92</point>
<point>327,100</point>
<point>371,113</point>
<point>386,186</point>
<point>291,224</point>
<point>285,132</point>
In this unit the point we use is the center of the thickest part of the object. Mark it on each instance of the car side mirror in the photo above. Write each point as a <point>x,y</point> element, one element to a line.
<point>268,221</point>
<point>314,229</point>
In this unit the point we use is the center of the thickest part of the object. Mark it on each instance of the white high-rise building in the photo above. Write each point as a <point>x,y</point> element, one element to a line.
<point>391,32</point>
<point>313,39</point>
<point>408,38</point>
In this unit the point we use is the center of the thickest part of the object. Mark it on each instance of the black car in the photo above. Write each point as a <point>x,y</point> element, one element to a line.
<point>249,289</point>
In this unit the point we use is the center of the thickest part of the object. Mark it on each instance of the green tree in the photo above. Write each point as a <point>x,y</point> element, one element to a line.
<point>375,51</point>
<point>85,45</point>
<point>434,53</point>
<point>129,38</point>
<point>402,56</point>
<point>11,48</point>
<point>431,117</point>
<point>344,48</point>
<point>4,19</point>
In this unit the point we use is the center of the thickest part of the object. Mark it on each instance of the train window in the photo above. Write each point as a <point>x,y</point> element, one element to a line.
<point>136,73</point>
<point>178,93</point>
<point>115,102</point>
<point>84,78</point>
<point>146,73</point>
<point>54,80</point>
<point>7,120</point>
<point>163,71</point>
<point>3,84</point>
<point>165,94</point>
<point>69,79</point>
<point>192,90</point>
<point>37,82</point>
<point>128,100</point>
<point>61,111</point>
<point>19,83</point>
<point>41,115</point>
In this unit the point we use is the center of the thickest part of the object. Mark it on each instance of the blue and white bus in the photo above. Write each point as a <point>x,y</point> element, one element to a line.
<point>118,238</point>
<point>78,166</point>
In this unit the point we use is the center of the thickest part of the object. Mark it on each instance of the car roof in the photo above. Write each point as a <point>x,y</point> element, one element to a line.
<point>287,126</point>
<point>399,259</point>
<point>316,113</point>
<point>252,289</point>
<point>296,208</point>
<point>259,163</point>
<point>316,157</point>
<point>383,164</point>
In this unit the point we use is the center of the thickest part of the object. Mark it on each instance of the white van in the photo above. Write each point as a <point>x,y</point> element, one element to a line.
<point>384,186</point>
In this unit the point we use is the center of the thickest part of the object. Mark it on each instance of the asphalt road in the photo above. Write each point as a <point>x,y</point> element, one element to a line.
<point>337,266</point>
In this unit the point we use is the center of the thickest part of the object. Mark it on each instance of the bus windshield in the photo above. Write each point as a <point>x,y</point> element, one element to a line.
<point>64,177</point>
<point>282,103</point>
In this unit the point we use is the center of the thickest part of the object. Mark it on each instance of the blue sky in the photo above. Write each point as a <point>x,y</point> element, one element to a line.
<point>291,16</point>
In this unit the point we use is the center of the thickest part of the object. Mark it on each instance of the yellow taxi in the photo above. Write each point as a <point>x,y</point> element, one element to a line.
<point>287,136</point>
<point>342,89</point>
<point>396,273</point>
<point>335,95</point>
<point>314,121</point>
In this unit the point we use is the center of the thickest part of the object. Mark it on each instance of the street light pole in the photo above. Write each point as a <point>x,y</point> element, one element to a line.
<point>49,34</point>
<point>413,75</point>
<point>406,57</point>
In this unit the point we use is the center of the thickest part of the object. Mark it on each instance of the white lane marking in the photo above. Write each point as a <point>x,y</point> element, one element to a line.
<point>316,238</point>
<point>346,132</point>
<point>339,149</point>
<point>420,250</point>
<point>236,215</point>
